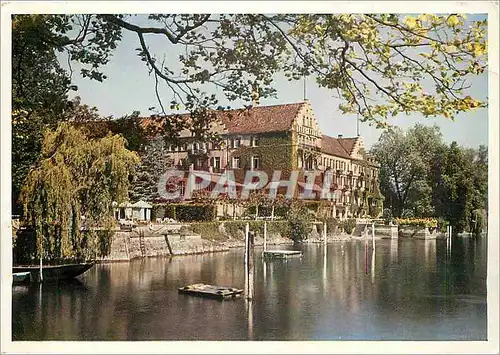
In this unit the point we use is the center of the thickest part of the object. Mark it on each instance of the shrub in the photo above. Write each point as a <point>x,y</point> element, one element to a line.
<point>331,225</point>
<point>234,228</point>
<point>189,212</point>
<point>299,223</point>
<point>208,230</point>
<point>348,225</point>
<point>278,227</point>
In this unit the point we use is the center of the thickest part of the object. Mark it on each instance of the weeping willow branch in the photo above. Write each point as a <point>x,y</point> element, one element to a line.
<point>68,197</point>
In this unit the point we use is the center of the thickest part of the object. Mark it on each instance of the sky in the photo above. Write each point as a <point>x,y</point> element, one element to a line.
<point>129,88</point>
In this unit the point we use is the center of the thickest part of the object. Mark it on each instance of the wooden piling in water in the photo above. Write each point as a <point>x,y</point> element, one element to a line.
<point>265,235</point>
<point>451,236</point>
<point>373,235</point>
<point>366,258</point>
<point>246,258</point>
<point>324,233</point>
<point>41,272</point>
<point>249,263</point>
<point>168,244</point>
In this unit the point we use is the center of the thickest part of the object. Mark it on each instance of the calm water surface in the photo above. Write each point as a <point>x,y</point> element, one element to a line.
<point>406,290</point>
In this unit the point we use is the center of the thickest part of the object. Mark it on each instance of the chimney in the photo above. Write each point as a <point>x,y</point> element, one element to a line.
<point>255,95</point>
<point>340,136</point>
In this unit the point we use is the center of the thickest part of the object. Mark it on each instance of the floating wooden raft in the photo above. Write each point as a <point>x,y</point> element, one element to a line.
<point>210,291</point>
<point>281,254</point>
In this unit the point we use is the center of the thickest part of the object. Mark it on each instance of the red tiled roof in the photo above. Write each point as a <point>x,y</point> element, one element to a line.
<point>332,146</point>
<point>260,119</point>
<point>348,144</point>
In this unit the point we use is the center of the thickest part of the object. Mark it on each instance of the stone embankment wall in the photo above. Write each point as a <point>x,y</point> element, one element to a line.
<point>419,233</point>
<point>385,231</point>
<point>127,245</point>
<point>149,241</point>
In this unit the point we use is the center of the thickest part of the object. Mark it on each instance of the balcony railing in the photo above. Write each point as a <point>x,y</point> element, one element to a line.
<point>201,151</point>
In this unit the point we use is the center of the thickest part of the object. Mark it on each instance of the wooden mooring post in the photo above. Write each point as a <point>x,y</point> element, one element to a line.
<point>265,235</point>
<point>324,233</point>
<point>41,269</point>
<point>373,235</point>
<point>249,263</point>
<point>168,244</point>
<point>449,232</point>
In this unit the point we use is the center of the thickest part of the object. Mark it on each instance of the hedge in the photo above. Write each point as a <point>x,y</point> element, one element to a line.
<point>190,212</point>
<point>236,229</point>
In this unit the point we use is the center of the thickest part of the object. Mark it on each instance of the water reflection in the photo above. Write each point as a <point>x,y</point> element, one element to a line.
<point>394,250</point>
<point>403,289</point>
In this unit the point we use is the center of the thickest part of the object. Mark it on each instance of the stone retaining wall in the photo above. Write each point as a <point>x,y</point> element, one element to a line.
<point>385,231</point>
<point>127,245</point>
<point>418,233</point>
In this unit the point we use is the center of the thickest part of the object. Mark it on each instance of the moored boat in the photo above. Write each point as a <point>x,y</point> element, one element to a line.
<point>51,272</point>
<point>21,277</point>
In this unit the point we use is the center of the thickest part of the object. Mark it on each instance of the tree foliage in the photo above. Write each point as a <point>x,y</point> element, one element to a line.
<point>421,176</point>
<point>39,92</point>
<point>460,182</point>
<point>405,167</point>
<point>379,64</point>
<point>68,195</point>
<point>299,219</point>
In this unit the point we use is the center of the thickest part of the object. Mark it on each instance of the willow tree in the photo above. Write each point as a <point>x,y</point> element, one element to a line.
<point>68,196</point>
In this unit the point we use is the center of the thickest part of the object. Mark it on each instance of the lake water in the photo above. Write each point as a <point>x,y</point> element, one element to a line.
<point>406,290</point>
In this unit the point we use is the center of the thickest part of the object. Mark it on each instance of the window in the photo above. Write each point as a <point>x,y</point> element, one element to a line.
<point>255,162</point>
<point>236,162</point>
<point>254,141</point>
<point>235,142</point>
<point>216,163</point>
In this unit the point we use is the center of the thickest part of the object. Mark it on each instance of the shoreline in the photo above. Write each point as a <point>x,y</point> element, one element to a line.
<point>206,246</point>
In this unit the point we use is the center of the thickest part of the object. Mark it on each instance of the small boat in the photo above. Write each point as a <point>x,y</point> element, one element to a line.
<point>281,254</point>
<point>52,272</point>
<point>21,277</point>
<point>210,291</point>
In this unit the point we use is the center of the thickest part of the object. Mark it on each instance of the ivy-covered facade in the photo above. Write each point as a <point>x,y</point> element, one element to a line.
<point>285,138</point>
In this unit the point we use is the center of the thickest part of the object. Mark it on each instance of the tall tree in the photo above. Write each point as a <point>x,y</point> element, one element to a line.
<point>361,56</point>
<point>68,196</point>
<point>453,191</point>
<point>405,159</point>
<point>376,63</point>
<point>39,92</point>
